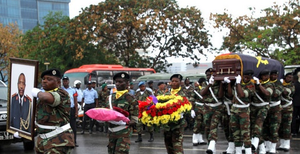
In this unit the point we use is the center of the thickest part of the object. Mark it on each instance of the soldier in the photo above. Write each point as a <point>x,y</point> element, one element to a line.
<point>119,136</point>
<point>189,90</point>
<point>173,132</point>
<point>161,89</point>
<point>197,114</point>
<point>273,119</point>
<point>240,112</point>
<point>102,97</point>
<point>259,108</point>
<point>150,86</point>
<point>212,93</point>
<point>53,116</point>
<point>286,113</point>
<point>142,95</point>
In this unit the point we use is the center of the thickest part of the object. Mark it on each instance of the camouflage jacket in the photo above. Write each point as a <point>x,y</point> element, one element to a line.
<point>269,86</point>
<point>142,97</point>
<point>277,92</point>
<point>102,96</point>
<point>289,88</point>
<point>159,92</point>
<point>248,89</point>
<point>208,98</point>
<point>56,114</point>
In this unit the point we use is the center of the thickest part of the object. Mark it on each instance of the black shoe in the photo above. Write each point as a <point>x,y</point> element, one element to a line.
<point>100,129</point>
<point>76,145</point>
<point>82,132</point>
<point>90,132</point>
<point>139,138</point>
<point>294,135</point>
<point>209,151</point>
<point>202,143</point>
<point>195,144</point>
<point>151,139</point>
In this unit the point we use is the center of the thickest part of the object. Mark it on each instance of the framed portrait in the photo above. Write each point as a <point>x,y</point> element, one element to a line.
<point>23,77</point>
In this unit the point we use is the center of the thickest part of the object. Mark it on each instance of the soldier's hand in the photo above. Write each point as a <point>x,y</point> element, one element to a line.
<point>211,80</point>
<point>226,79</point>
<point>256,79</point>
<point>35,92</point>
<point>193,114</point>
<point>238,79</point>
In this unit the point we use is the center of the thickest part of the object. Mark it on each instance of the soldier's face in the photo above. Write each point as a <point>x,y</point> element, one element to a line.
<point>273,77</point>
<point>121,84</point>
<point>175,83</point>
<point>265,77</point>
<point>21,85</point>
<point>50,82</point>
<point>288,78</point>
<point>247,78</point>
<point>208,75</point>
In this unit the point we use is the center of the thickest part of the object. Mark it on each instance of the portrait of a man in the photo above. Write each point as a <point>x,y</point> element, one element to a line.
<point>21,105</point>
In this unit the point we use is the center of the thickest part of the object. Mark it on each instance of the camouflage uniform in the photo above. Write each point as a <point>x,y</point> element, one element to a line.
<point>119,141</point>
<point>198,106</point>
<point>259,110</point>
<point>102,96</point>
<point>173,133</point>
<point>56,114</point>
<point>226,116</point>
<point>159,92</point>
<point>273,119</point>
<point>240,116</point>
<point>190,93</point>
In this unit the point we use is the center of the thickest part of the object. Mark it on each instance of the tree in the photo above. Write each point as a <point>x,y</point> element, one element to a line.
<point>10,41</point>
<point>157,29</point>
<point>275,35</point>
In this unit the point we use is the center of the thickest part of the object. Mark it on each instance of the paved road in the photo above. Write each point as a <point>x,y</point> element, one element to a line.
<point>96,144</point>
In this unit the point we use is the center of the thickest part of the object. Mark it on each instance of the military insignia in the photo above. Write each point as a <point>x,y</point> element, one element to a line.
<point>122,75</point>
<point>53,72</point>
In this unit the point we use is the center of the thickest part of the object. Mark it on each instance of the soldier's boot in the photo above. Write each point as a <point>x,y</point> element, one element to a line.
<point>286,145</point>
<point>238,150</point>
<point>195,139</point>
<point>101,129</point>
<point>254,142</point>
<point>262,149</point>
<point>105,129</point>
<point>230,148</point>
<point>211,147</point>
<point>139,139</point>
<point>272,148</point>
<point>248,151</point>
<point>268,146</point>
<point>151,137</point>
<point>200,139</point>
<point>280,144</point>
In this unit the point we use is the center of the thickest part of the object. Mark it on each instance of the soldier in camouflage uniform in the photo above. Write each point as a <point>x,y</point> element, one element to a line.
<point>286,113</point>
<point>212,93</point>
<point>53,116</point>
<point>198,108</point>
<point>102,97</point>
<point>173,132</point>
<point>259,108</point>
<point>189,90</point>
<point>119,136</point>
<point>273,119</point>
<point>240,112</point>
<point>142,95</point>
<point>161,89</point>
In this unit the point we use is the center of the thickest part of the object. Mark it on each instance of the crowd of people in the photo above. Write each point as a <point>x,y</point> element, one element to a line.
<point>256,113</point>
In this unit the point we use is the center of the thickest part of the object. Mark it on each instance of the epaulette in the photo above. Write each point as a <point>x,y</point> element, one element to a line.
<point>28,98</point>
<point>14,94</point>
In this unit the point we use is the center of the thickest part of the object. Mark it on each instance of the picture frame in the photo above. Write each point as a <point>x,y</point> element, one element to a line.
<point>23,77</point>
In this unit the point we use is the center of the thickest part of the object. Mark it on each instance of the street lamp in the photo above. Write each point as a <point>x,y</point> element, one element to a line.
<point>46,63</point>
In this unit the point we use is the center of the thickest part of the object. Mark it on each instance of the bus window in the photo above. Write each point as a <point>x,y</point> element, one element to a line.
<point>103,76</point>
<point>135,74</point>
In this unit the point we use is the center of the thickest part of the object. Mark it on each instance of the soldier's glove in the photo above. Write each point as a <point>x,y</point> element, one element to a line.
<point>226,79</point>
<point>211,80</point>
<point>16,135</point>
<point>256,79</point>
<point>281,80</point>
<point>35,92</point>
<point>193,114</point>
<point>238,79</point>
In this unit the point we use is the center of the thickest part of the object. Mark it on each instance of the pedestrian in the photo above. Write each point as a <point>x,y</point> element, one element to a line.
<point>90,99</point>
<point>286,113</point>
<point>54,133</point>
<point>296,106</point>
<point>240,112</point>
<point>142,95</point>
<point>173,132</point>
<point>102,97</point>
<point>119,136</point>
<point>74,106</point>
<point>259,109</point>
<point>212,93</point>
<point>77,86</point>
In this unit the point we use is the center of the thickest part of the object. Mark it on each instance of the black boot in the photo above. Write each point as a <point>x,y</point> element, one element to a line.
<point>139,138</point>
<point>151,137</point>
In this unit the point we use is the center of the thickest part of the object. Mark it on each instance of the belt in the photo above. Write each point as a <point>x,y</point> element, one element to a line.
<point>228,102</point>
<point>116,129</point>
<point>272,104</point>
<point>260,104</point>
<point>240,105</point>
<point>287,104</point>
<point>198,103</point>
<point>57,130</point>
<point>213,105</point>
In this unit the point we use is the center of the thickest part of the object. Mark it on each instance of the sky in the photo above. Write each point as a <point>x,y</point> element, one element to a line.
<point>235,8</point>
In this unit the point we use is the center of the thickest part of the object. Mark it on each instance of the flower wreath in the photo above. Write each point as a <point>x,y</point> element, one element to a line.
<point>163,109</point>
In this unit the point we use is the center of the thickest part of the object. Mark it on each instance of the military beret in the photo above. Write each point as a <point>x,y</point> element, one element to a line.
<point>103,85</point>
<point>131,83</point>
<point>150,82</point>
<point>179,76</point>
<point>201,80</point>
<point>160,83</point>
<point>141,83</point>
<point>51,72</point>
<point>122,75</point>
<point>289,73</point>
<point>186,79</point>
<point>274,72</point>
<point>248,72</point>
<point>209,70</point>
<point>264,72</point>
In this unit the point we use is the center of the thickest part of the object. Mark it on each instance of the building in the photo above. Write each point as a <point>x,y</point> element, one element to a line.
<point>28,13</point>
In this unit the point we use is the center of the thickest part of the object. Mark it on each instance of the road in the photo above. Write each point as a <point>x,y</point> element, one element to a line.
<point>96,144</point>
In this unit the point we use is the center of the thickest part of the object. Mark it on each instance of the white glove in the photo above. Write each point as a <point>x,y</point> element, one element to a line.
<point>238,79</point>
<point>211,80</point>
<point>193,114</point>
<point>16,135</point>
<point>35,92</point>
<point>121,123</point>
<point>256,79</point>
<point>226,79</point>
<point>281,80</point>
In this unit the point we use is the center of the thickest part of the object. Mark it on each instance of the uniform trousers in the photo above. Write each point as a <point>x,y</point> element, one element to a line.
<point>286,121</point>
<point>73,122</point>
<point>85,118</point>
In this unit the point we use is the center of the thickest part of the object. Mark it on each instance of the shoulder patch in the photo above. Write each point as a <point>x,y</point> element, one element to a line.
<point>28,98</point>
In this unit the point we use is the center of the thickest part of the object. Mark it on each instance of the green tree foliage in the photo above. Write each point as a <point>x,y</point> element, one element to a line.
<point>10,41</point>
<point>274,35</point>
<point>157,29</point>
